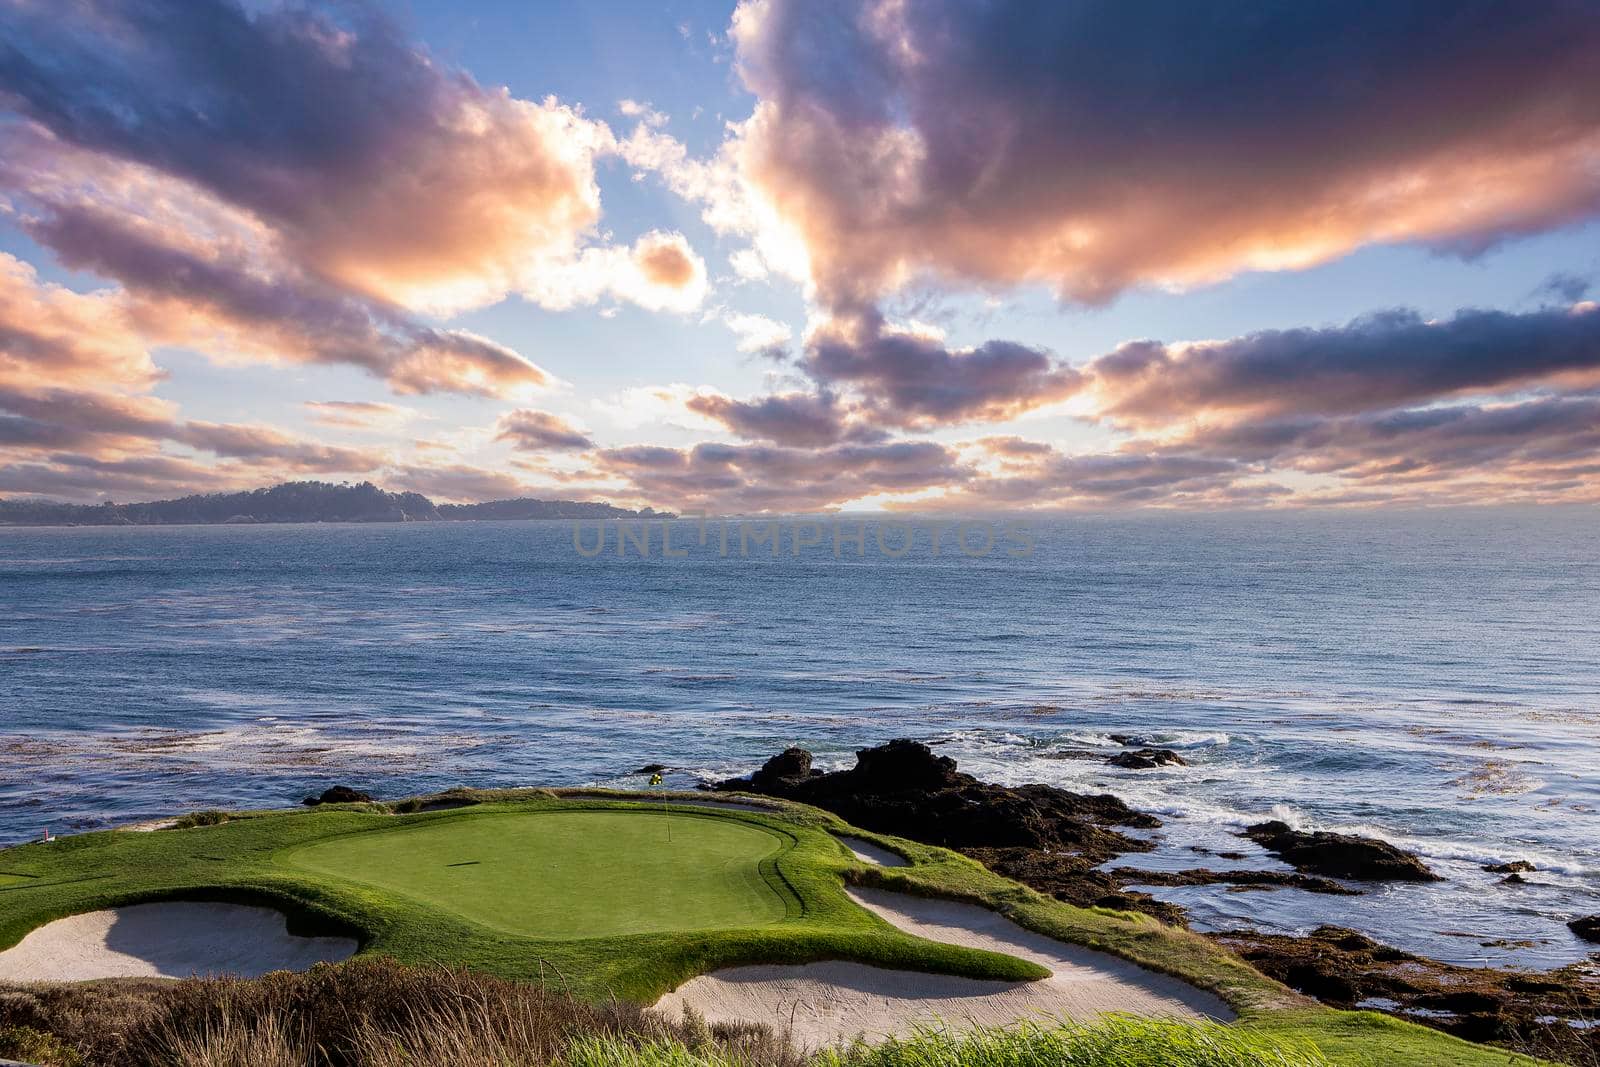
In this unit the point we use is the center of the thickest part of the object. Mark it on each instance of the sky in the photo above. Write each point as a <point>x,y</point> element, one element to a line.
<point>804,255</point>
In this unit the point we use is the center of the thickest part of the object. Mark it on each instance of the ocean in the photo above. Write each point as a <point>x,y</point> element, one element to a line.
<point>1432,678</point>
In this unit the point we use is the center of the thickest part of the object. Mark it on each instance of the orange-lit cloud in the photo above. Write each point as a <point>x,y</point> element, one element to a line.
<point>1091,148</point>
<point>359,414</point>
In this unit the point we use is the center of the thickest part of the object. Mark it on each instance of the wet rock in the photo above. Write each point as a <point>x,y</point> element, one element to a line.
<point>1514,867</point>
<point>339,794</point>
<point>1587,927</point>
<point>1347,969</point>
<point>1145,758</point>
<point>1339,855</point>
<point>652,768</point>
<point>906,765</point>
<point>1513,879</point>
<point>1248,879</point>
<point>1046,837</point>
<point>903,788</point>
<point>1073,879</point>
<point>792,765</point>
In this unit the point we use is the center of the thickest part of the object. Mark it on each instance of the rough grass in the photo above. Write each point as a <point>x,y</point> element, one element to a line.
<point>248,858</point>
<point>1115,1041</point>
<point>376,1013</point>
<point>363,1013</point>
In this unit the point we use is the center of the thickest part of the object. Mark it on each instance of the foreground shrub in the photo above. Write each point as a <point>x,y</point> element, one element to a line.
<point>378,1013</point>
<point>1113,1041</point>
<point>362,1013</point>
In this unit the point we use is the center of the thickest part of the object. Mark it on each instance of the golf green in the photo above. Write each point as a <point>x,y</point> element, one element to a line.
<point>567,875</point>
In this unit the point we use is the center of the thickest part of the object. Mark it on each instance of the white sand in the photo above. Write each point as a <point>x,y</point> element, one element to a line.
<point>877,855</point>
<point>822,1004</point>
<point>168,940</point>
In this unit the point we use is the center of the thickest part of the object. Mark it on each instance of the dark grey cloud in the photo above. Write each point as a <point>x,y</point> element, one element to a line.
<point>1531,438</point>
<point>263,444</point>
<point>1565,287</point>
<point>732,478</point>
<point>913,381</point>
<point>795,419</point>
<point>541,431</point>
<point>1387,360</point>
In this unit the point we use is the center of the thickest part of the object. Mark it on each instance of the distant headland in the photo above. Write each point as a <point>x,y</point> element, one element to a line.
<point>300,502</point>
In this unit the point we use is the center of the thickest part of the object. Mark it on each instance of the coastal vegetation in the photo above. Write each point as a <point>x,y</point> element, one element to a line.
<point>378,1013</point>
<point>346,870</point>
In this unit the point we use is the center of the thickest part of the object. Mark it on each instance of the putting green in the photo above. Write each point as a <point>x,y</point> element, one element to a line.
<point>567,875</point>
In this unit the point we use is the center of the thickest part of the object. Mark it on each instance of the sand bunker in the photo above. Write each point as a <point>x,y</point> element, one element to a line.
<point>174,939</point>
<point>877,855</point>
<point>822,1004</point>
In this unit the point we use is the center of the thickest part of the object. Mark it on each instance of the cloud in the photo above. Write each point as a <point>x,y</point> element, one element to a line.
<point>1091,147</point>
<point>197,274</point>
<point>660,272</point>
<point>758,333</point>
<point>92,414</point>
<point>1386,360</point>
<point>1565,287</point>
<point>142,478</point>
<point>1032,474</point>
<point>374,166</point>
<point>455,483</point>
<point>540,431</point>
<point>1518,443</point>
<point>358,414</point>
<point>50,335</point>
<point>796,419</point>
<point>735,478</point>
<point>263,443</point>
<point>914,380</point>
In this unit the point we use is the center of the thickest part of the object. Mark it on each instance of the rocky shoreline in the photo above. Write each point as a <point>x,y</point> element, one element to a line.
<point>1058,842</point>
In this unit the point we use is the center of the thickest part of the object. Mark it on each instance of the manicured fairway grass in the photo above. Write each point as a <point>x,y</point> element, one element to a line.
<point>573,874</point>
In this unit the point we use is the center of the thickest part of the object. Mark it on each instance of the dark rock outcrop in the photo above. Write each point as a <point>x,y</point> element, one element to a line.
<point>652,768</point>
<point>339,794</point>
<point>903,788</point>
<point>1339,855</point>
<point>1587,927</point>
<point>1073,879</point>
<point>1514,867</point>
<point>1045,837</point>
<point>1344,968</point>
<point>785,770</point>
<point>1145,758</point>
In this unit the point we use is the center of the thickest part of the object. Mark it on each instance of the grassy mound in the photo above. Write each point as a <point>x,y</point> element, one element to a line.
<point>587,893</point>
<point>581,893</point>
<point>573,874</point>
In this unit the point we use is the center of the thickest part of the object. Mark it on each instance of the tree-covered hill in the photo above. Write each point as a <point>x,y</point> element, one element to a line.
<point>296,502</point>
